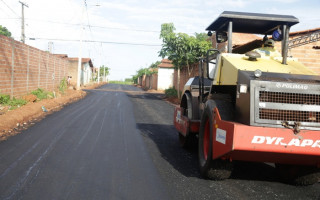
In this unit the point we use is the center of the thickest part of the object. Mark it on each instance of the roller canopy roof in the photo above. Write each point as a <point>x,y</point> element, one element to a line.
<point>251,22</point>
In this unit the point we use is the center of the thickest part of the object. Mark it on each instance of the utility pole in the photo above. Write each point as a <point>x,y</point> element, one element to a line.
<point>80,49</point>
<point>99,74</point>
<point>50,47</point>
<point>23,36</point>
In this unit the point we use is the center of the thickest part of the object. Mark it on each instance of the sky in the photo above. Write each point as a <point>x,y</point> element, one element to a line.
<point>124,35</point>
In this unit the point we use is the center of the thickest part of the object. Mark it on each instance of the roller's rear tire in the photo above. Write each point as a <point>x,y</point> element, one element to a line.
<point>190,140</point>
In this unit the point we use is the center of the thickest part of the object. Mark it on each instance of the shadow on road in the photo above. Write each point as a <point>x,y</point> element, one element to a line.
<point>154,96</point>
<point>186,160</point>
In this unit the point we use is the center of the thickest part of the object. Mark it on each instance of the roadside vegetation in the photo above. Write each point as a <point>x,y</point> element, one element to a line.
<point>14,103</point>
<point>152,69</point>
<point>11,103</point>
<point>182,49</point>
<point>125,82</point>
<point>42,94</point>
<point>63,85</point>
<point>36,95</point>
<point>4,31</point>
<point>171,92</point>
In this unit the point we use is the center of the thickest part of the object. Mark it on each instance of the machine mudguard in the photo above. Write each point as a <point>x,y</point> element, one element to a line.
<point>183,124</point>
<point>236,141</point>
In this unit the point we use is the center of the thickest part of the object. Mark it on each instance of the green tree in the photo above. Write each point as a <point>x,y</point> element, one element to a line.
<point>181,48</point>
<point>4,31</point>
<point>155,65</point>
<point>146,71</point>
<point>103,69</point>
<point>139,73</point>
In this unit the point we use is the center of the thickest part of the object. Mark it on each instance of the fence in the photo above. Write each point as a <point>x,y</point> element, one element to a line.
<point>24,68</point>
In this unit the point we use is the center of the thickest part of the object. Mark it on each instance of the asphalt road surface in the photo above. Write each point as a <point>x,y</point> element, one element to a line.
<point>120,143</point>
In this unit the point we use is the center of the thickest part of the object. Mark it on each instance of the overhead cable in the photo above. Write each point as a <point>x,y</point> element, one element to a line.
<point>96,41</point>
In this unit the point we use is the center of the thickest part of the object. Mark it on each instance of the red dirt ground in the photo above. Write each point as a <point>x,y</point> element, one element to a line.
<point>12,122</point>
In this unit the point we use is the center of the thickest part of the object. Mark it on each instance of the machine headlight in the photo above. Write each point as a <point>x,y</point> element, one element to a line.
<point>257,73</point>
<point>243,88</point>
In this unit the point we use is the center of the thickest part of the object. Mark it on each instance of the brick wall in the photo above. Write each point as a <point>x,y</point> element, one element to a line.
<point>24,68</point>
<point>307,55</point>
<point>185,75</point>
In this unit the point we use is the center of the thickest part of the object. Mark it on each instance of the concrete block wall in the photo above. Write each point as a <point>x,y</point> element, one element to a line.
<point>24,68</point>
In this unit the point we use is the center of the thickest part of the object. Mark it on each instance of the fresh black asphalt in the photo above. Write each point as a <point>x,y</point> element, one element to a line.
<point>119,143</point>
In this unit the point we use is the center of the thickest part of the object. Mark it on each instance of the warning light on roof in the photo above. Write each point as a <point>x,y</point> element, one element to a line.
<point>277,35</point>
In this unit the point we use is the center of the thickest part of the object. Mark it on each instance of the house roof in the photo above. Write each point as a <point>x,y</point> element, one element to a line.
<point>258,42</point>
<point>62,55</point>
<point>83,60</point>
<point>165,63</point>
<point>243,38</point>
<point>304,32</point>
<point>238,39</point>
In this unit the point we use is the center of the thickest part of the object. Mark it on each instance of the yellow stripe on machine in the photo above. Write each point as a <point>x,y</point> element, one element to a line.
<point>231,63</point>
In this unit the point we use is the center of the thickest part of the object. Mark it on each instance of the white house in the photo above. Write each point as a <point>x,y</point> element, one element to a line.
<point>165,74</point>
<point>86,70</point>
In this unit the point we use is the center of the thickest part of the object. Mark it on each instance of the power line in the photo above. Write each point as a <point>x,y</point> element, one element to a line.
<point>96,26</point>
<point>10,8</point>
<point>123,43</point>
<point>5,13</point>
<point>91,34</point>
<point>96,41</point>
<point>93,26</point>
<point>126,29</point>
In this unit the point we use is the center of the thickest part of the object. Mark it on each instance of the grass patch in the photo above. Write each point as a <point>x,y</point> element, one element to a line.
<point>4,99</point>
<point>13,103</point>
<point>42,94</point>
<point>122,82</point>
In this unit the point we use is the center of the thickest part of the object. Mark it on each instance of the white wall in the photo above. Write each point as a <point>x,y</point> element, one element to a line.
<point>86,74</point>
<point>165,78</point>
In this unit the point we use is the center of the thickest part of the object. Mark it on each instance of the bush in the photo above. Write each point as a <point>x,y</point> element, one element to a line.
<point>171,92</point>
<point>4,99</point>
<point>63,85</point>
<point>40,93</point>
<point>13,103</point>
